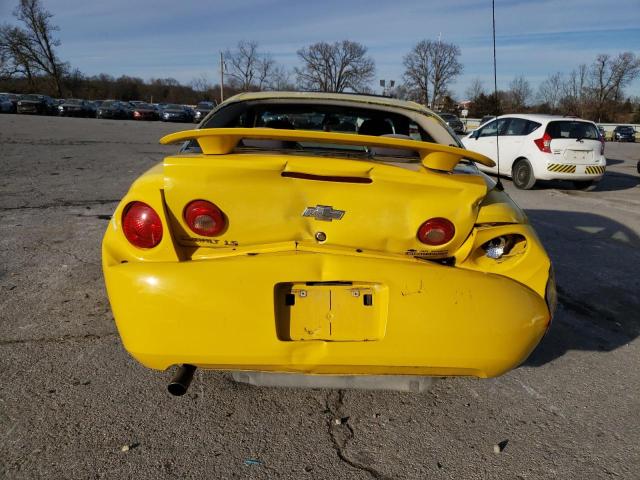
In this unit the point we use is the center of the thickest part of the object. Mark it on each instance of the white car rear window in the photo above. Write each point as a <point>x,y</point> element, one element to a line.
<point>573,129</point>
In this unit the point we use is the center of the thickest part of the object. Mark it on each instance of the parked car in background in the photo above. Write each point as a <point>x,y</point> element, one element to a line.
<point>36,104</point>
<point>75,107</point>
<point>114,109</point>
<point>453,121</point>
<point>145,111</point>
<point>624,133</point>
<point>175,113</point>
<point>6,105</point>
<point>486,118</point>
<point>202,109</point>
<point>93,108</point>
<point>541,147</point>
<point>332,277</point>
<point>13,98</point>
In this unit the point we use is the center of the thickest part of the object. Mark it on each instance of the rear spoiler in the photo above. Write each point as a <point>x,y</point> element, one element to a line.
<point>222,141</point>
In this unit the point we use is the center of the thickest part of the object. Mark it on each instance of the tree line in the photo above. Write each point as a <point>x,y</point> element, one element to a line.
<point>29,63</point>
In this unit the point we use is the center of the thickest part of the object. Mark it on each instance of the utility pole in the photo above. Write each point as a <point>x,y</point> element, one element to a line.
<point>221,78</point>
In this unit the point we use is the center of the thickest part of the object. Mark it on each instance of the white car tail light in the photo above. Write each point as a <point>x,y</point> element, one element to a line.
<point>544,143</point>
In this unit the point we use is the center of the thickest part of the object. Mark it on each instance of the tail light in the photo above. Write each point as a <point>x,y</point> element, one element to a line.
<point>436,231</point>
<point>142,225</point>
<point>204,218</point>
<point>136,114</point>
<point>544,143</point>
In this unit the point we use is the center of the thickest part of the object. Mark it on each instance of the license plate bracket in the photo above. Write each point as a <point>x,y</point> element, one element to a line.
<point>331,311</point>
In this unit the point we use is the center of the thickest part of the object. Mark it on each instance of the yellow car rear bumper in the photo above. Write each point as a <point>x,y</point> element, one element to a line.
<point>230,314</point>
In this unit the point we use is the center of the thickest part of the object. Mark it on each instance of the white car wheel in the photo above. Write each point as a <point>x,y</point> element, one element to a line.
<point>522,174</point>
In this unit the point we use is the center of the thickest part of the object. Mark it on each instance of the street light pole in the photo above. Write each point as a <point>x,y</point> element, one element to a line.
<point>386,87</point>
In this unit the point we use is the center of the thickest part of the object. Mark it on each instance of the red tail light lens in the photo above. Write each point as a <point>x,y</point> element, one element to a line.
<point>544,143</point>
<point>436,231</point>
<point>142,225</point>
<point>204,218</point>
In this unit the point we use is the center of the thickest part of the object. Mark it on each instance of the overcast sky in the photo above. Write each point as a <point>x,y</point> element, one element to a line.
<point>182,39</point>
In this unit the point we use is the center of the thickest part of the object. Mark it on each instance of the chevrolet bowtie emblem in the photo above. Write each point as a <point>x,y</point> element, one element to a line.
<point>325,213</point>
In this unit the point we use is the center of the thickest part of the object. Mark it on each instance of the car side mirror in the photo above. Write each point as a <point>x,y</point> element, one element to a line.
<point>475,134</point>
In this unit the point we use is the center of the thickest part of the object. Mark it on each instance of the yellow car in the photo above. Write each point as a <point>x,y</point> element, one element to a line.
<point>325,236</point>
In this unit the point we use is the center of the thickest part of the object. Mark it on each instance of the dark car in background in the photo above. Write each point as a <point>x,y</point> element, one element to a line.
<point>202,109</point>
<point>6,105</point>
<point>144,111</point>
<point>12,98</point>
<point>175,113</point>
<point>624,133</point>
<point>36,104</point>
<point>75,107</point>
<point>453,121</point>
<point>114,109</point>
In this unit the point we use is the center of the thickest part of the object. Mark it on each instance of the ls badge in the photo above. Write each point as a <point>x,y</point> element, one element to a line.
<point>325,213</point>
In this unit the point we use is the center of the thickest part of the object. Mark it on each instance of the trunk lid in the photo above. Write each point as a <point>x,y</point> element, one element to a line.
<point>271,197</point>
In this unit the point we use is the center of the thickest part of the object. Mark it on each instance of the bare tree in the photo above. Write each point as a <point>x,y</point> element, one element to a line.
<point>575,92</point>
<point>265,70</point>
<point>281,79</point>
<point>609,75</point>
<point>248,68</point>
<point>13,56</point>
<point>432,64</point>
<point>550,91</point>
<point>335,67</point>
<point>418,70</point>
<point>201,83</point>
<point>34,45</point>
<point>519,92</point>
<point>476,88</point>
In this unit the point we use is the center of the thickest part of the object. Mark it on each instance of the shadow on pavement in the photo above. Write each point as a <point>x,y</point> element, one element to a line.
<point>612,181</point>
<point>596,262</point>
<point>611,161</point>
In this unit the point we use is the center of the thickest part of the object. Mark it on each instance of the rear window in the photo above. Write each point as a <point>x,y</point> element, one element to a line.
<point>320,117</point>
<point>573,130</point>
<point>329,118</point>
<point>625,129</point>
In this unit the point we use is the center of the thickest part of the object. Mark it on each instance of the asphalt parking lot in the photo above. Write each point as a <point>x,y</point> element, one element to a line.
<point>73,404</point>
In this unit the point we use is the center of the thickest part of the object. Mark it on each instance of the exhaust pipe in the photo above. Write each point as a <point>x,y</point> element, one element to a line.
<point>181,381</point>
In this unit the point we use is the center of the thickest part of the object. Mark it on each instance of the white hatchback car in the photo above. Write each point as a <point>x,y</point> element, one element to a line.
<point>541,147</point>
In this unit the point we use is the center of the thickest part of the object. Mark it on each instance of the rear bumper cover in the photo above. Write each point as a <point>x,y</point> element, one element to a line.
<point>566,171</point>
<point>220,314</point>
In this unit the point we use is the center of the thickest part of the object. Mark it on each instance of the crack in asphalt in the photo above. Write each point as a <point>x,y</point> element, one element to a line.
<point>84,203</point>
<point>341,433</point>
<point>69,254</point>
<point>62,339</point>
